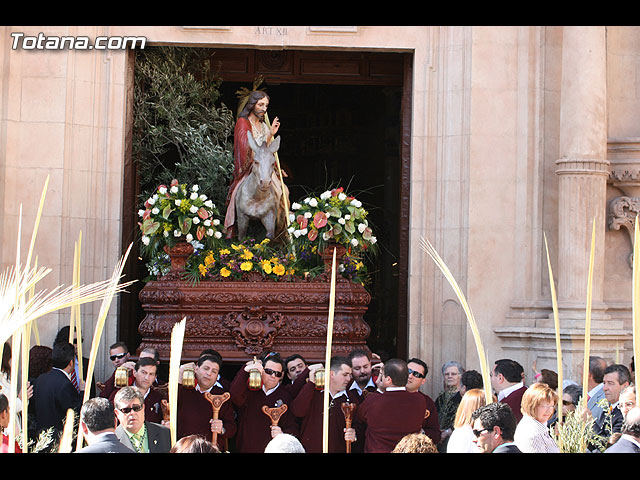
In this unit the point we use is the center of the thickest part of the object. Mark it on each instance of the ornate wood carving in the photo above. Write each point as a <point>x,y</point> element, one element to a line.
<point>241,319</point>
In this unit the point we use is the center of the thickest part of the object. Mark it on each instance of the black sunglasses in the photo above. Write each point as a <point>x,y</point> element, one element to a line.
<point>416,374</point>
<point>268,371</point>
<point>118,356</point>
<point>477,433</point>
<point>135,408</point>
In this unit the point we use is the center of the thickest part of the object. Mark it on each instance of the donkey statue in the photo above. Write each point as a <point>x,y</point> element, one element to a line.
<point>256,197</point>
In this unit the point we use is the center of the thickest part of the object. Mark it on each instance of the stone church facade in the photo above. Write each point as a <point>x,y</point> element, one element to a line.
<point>515,133</point>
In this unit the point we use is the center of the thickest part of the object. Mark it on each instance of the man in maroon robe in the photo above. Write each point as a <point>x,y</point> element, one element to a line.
<point>195,413</point>
<point>255,428</point>
<point>143,378</point>
<point>391,415</point>
<point>309,406</point>
<point>417,377</point>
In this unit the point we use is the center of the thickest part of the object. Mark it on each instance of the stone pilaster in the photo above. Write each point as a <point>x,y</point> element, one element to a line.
<point>582,171</point>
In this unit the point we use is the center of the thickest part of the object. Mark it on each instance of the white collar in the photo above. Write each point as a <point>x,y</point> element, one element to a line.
<point>394,389</point>
<point>269,392</point>
<point>340,393</point>
<point>354,385</point>
<point>509,390</point>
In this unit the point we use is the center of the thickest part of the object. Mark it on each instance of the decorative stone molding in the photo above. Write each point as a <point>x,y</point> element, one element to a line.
<point>582,166</point>
<point>622,213</point>
<point>624,155</point>
<point>624,174</point>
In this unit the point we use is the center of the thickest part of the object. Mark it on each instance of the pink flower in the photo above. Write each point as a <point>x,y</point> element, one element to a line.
<point>302,221</point>
<point>319,219</point>
<point>313,234</point>
<point>202,213</point>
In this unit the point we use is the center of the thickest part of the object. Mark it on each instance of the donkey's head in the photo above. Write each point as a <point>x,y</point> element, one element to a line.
<point>263,160</point>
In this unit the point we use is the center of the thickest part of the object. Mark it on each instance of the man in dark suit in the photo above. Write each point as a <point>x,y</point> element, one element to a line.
<point>616,378</point>
<point>629,442</point>
<point>507,381</point>
<point>494,426</point>
<point>391,415</point>
<point>98,424</point>
<point>133,430</point>
<point>63,336</point>
<point>54,392</point>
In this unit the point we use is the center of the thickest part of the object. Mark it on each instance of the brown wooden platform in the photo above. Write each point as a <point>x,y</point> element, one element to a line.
<point>241,319</point>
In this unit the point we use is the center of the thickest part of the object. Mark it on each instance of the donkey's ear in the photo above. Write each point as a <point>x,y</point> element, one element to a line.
<point>274,145</point>
<point>252,141</point>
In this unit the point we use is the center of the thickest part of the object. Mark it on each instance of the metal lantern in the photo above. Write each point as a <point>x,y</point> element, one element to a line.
<point>121,377</point>
<point>255,378</point>
<point>320,378</point>
<point>189,378</point>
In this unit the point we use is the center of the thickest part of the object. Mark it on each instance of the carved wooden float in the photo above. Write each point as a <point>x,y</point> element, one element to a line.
<point>241,319</point>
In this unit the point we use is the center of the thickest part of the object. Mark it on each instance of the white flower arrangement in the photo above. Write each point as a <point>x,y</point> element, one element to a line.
<point>175,213</point>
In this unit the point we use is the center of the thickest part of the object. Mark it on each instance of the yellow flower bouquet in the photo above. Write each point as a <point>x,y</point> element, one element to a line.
<point>241,260</point>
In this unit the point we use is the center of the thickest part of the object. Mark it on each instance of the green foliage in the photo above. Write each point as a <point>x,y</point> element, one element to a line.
<point>180,129</point>
<point>576,434</point>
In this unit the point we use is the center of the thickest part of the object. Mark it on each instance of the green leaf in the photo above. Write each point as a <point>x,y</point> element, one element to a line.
<point>185,224</point>
<point>149,227</point>
<point>349,227</point>
<point>166,212</point>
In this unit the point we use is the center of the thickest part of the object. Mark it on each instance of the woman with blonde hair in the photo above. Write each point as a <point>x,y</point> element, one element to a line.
<point>461,440</point>
<point>532,433</point>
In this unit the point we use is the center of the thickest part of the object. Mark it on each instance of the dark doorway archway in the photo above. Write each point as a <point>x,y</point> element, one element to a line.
<point>345,122</point>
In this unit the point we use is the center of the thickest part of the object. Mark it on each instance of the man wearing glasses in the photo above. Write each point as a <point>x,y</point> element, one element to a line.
<point>133,430</point>
<point>256,428</point>
<point>494,426</point>
<point>119,355</point>
<point>391,415</point>
<point>417,377</point>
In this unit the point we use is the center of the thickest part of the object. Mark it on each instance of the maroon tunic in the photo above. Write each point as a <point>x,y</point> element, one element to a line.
<point>195,413</point>
<point>254,427</point>
<point>390,416</point>
<point>514,400</point>
<point>109,386</point>
<point>431,425</point>
<point>309,406</point>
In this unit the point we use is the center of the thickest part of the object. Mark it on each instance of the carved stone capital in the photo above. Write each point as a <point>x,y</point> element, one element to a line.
<point>622,214</point>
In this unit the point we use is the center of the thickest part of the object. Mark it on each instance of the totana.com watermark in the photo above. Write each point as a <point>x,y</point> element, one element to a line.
<point>54,42</point>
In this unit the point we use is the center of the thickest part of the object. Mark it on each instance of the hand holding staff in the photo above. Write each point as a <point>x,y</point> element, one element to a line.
<point>216,402</point>
<point>274,414</point>
<point>347,410</point>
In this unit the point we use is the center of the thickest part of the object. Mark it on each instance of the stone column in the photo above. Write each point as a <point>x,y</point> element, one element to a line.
<point>582,172</point>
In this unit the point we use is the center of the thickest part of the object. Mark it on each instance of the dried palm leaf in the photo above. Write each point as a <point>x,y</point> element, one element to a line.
<point>327,364</point>
<point>177,337</point>
<point>484,366</point>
